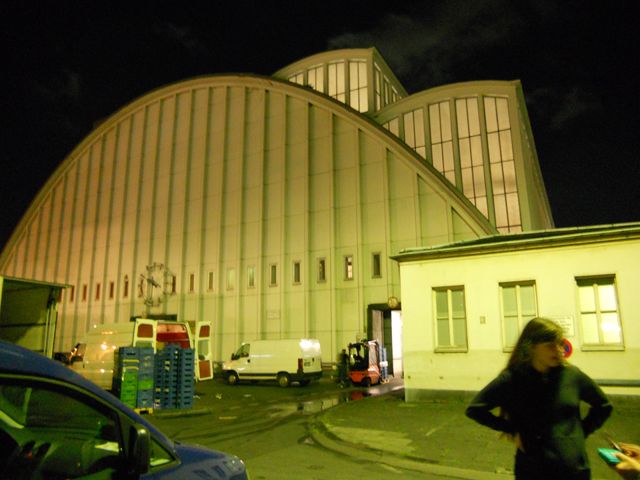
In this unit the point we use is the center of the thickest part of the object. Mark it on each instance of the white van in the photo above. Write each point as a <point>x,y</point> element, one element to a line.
<point>298,360</point>
<point>93,357</point>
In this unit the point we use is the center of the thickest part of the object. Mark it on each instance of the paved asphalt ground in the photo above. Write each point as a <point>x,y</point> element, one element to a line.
<point>434,437</point>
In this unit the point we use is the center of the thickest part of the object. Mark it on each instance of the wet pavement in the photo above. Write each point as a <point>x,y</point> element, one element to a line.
<point>377,424</point>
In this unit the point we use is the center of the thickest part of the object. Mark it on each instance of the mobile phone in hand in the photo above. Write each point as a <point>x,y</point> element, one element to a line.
<point>608,455</point>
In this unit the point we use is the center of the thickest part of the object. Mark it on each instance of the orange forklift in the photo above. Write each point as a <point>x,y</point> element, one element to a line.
<point>367,363</point>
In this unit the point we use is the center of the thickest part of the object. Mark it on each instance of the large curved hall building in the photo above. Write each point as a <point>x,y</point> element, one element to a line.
<point>270,206</point>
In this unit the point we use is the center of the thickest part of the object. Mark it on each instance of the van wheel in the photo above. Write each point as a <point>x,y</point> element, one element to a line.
<point>284,380</point>
<point>366,381</point>
<point>232,379</point>
<point>305,382</point>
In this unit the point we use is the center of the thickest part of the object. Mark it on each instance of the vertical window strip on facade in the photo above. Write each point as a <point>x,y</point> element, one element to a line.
<point>336,81</point>
<point>471,159</point>
<point>377,87</point>
<point>322,270</point>
<point>518,305</point>
<point>315,78</point>
<point>348,267</point>
<point>297,274</point>
<point>273,275</point>
<point>441,140</point>
<point>502,163</point>
<point>451,319</point>
<point>297,78</point>
<point>414,131</point>
<point>251,276</point>
<point>599,316</point>
<point>393,127</point>
<point>358,91</point>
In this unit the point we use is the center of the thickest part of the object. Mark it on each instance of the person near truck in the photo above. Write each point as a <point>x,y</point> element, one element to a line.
<point>343,361</point>
<point>539,397</point>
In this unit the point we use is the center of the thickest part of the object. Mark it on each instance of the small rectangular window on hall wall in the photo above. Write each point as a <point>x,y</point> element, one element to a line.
<point>297,274</point>
<point>348,267</point>
<point>210,281</point>
<point>231,278</point>
<point>112,290</point>
<point>322,270</point>
<point>98,291</point>
<point>518,305</point>
<point>85,292</point>
<point>273,275</point>
<point>451,319</point>
<point>192,282</point>
<point>600,323</point>
<point>251,276</point>
<point>174,283</point>
<point>376,265</point>
<point>72,294</point>
<point>125,287</point>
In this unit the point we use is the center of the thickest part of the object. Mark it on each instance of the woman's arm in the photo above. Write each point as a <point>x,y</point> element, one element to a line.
<point>490,397</point>
<point>600,405</point>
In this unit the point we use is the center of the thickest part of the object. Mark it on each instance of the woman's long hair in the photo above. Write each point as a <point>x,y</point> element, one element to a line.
<point>538,330</point>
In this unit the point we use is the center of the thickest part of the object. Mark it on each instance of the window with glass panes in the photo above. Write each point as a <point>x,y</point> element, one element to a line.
<point>377,87</point>
<point>441,140</point>
<point>336,80</point>
<point>471,161</point>
<point>315,78</point>
<point>358,92</point>
<point>502,164</point>
<point>599,315</point>
<point>297,78</point>
<point>414,131</point>
<point>451,319</point>
<point>518,306</point>
<point>392,126</point>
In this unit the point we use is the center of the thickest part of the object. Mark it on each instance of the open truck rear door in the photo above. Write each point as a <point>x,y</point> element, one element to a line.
<point>204,370</point>
<point>144,333</point>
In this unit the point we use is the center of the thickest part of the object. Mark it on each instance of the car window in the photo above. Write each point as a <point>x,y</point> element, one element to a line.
<point>48,431</point>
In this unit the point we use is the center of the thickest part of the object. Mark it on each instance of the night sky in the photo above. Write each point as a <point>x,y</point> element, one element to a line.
<point>67,64</point>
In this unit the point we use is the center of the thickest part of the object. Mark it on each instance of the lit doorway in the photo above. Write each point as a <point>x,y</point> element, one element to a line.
<point>385,325</point>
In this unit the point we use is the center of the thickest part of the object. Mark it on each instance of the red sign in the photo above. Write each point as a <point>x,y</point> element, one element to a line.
<point>566,346</point>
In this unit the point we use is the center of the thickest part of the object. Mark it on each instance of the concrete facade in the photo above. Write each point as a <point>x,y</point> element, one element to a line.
<point>274,203</point>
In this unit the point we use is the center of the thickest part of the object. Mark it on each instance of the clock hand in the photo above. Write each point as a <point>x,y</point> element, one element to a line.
<point>151,281</point>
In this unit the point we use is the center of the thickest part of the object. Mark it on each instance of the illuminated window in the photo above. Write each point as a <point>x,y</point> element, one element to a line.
<point>231,278</point>
<point>518,306</point>
<point>414,131</point>
<point>192,282</point>
<point>297,78</point>
<point>503,169</point>
<point>322,270</point>
<point>336,80</point>
<point>315,78</point>
<point>441,140</point>
<point>376,265</point>
<point>210,281</point>
<point>273,275</point>
<point>471,161</point>
<point>599,317</point>
<point>392,126</point>
<point>348,267</point>
<point>296,273</point>
<point>251,276</point>
<point>358,92</point>
<point>451,320</point>
<point>377,88</point>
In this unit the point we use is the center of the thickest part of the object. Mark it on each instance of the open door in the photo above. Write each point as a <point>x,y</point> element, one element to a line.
<point>204,370</point>
<point>144,334</point>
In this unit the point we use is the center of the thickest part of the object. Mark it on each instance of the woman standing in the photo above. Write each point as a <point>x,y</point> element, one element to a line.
<point>539,397</point>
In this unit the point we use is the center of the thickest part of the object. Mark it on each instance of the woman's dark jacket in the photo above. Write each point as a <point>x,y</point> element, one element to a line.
<point>545,411</point>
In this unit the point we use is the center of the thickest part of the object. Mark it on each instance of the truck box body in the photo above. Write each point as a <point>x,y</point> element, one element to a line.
<point>298,360</point>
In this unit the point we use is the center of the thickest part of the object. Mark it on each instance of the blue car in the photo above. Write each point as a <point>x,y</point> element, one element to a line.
<point>54,424</point>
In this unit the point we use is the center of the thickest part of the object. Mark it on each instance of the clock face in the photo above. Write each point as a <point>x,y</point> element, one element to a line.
<point>154,284</point>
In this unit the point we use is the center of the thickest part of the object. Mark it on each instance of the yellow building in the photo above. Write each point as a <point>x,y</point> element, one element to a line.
<point>465,303</point>
<point>270,205</point>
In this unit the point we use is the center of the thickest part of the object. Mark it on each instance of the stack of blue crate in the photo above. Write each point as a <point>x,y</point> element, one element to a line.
<point>146,378</point>
<point>174,377</point>
<point>384,364</point>
<point>125,378</point>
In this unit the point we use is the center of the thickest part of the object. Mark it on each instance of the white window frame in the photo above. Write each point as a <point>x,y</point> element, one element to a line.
<point>596,281</point>
<point>522,319</point>
<point>451,348</point>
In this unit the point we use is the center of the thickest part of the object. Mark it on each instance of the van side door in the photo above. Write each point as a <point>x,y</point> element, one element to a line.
<point>204,370</point>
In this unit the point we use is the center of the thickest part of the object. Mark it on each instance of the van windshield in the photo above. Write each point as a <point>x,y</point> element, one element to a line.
<point>243,351</point>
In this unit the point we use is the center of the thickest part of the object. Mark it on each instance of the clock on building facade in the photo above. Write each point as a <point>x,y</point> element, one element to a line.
<point>155,284</point>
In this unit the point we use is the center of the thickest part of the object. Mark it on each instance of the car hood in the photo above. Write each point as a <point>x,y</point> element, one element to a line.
<point>215,464</point>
